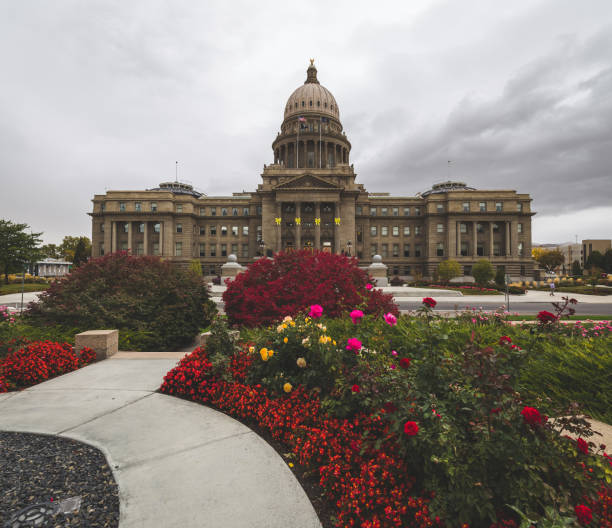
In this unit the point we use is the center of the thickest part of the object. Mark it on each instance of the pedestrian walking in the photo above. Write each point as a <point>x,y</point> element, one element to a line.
<point>552,288</point>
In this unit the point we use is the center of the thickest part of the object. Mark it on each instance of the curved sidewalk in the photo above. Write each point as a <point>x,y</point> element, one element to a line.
<point>177,463</point>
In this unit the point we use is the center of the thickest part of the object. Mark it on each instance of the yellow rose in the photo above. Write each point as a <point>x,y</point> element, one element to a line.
<point>292,323</point>
<point>334,342</point>
<point>301,362</point>
<point>251,350</point>
<point>264,354</point>
<point>287,387</point>
<point>285,340</point>
<point>270,353</point>
<point>280,328</point>
<point>287,319</point>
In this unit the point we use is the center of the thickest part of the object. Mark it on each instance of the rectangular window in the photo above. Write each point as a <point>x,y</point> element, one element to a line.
<point>213,250</point>
<point>466,207</point>
<point>258,236</point>
<point>406,230</point>
<point>213,230</point>
<point>202,250</point>
<point>101,228</point>
<point>406,250</point>
<point>359,210</point>
<point>179,208</point>
<point>417,251</point>
<point>519,207</point>
<point>395,250</point>
<point>373,231</point>
<point>101,249</point>
<point>384,211</point>
<point>235,231</point>
<point>406,211</point>
<point>224,250</point>
<point>126,227</point>
<point>235,249</point>
<point>178,249</point>
<point>480,250</point>
<point>520,249</point>
<point>141,227</point>
<point>395,230</point>
<point>496,249</point>
<point>223,211</point>
<point>519,228</point>
<point>234,211</point>
<point>395,211</point>
<point>245,250</point>
<point>202,230</point>
<point>259,210</point>
<point>498,207</point>
<point>384,230</point>
<point>359,233</point>
<point>245,211</point>
<point>156,228</point>
<point>417,211</point>
<point>213,211</point>
<point>103,207</point>
<point>439,208</point>
<point>155,248</point>
<point>202,211</point>
<point>482,206</point>
<point>406,270</point>
<point>140,248</point>
<point>523,270</point>
<point>245,230</point>
<point>462,228</point>
<point>464,249</point>
<point>373,249</point>
<point>121,206</point>
<point>440,228</point>
<point>372,211</point>
<point>417,230</point>
<point>440,249</point>
<point>495,228</point>
<point>480,228</point>
<point>138,207</point>
<point>179,228</point>
<point>223,231</point>
<point>467,271</point>
<point>385,251</point>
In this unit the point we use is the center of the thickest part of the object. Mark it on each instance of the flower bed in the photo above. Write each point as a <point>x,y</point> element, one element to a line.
<point>409,422</point>
<point>39,361</point>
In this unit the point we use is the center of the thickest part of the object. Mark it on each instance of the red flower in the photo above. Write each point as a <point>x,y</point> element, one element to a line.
<point>583,513</point>
<point>505,340</point>
<point>411,428</point>
<point>405,363</point>
<point>428,301</point>
<point>546,317</point>
<point>316,311</point>
<point>531,416</point>
<point>356,388</point>
<point>496,410</point>
<point>582,446</point>
<point>389,407</point>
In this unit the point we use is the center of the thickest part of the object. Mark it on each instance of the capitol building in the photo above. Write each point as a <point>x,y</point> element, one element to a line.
<point>309,198</point>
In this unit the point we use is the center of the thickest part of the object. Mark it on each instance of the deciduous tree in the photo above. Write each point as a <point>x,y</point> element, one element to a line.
<point>17,248</point>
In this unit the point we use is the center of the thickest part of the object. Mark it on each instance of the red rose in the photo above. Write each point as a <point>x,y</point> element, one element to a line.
<point>389,407</point>
<point>355,388</point>
<point>531,416</point>
<point>428,301</point>
<point>582,446</point>
<point>411,428</point>
<point>546,317</point>
<point>583,513</point>
<point>505,340</point>
<point>405,363</point>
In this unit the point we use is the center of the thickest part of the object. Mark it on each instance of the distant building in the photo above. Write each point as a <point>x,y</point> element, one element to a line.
<point>51,267</point>
<point>588,246</point>
<point>309,198</point>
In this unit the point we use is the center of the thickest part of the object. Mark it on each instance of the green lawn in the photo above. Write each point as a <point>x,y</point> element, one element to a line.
<point>571,317</point>
<point>6,289</point>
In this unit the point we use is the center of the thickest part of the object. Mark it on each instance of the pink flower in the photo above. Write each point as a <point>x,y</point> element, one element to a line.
<point>356,316</point>
<point>369,286</point>
<point>393,352</point>
<point>390,319</point>
<point>353,344</point>
<point>316,311</point>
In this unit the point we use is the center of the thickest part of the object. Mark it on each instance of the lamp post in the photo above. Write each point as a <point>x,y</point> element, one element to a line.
<point>262,246</point>
<point>348,248</point>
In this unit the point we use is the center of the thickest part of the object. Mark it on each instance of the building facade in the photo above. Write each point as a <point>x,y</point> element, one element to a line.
<point>309,198</point>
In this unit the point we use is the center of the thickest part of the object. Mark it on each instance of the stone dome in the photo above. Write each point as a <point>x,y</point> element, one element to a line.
<point>312,97</point>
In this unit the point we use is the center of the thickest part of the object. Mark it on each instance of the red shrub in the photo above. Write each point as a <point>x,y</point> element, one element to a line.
<point>87,356</point>
<point>290,282</point>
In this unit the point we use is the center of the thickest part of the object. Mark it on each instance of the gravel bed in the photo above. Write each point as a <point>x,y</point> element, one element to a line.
<point>37,468</point>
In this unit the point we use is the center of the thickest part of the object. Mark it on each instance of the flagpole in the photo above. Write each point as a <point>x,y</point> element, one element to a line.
<point>297,146</point>
<point>320,153</point>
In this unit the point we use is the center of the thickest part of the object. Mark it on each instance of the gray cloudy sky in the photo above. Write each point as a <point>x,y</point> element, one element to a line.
<point>101,95</point>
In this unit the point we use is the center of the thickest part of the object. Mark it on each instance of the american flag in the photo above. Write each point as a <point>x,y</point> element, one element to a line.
<point>302,119</point>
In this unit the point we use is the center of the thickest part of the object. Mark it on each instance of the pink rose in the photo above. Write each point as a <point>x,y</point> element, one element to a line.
<point>316,311</point>
<point>353,344</point>
<point>356,316</point>
<point>368,286</point>
<point>390,319</point>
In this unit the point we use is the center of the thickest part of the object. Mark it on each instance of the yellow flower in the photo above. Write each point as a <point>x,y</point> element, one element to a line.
<point>287,319</point>
<point>306,341</point>
<point>264,354</point>
<point>251,350</point>
<point>292,323</point>
<point>307,320</point>
<point>325,339</point>
<point>284,325</point>
<point>290,464</point>
<point>270,353</point>
<point>334,342</point>
<point>280,328</point>
<point>285,340</point>
<point>287,387</point>
<point>301,362</point>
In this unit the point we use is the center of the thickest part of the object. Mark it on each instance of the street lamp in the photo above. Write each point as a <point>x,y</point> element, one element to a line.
<point>262,246</point>
<point>348,248</point>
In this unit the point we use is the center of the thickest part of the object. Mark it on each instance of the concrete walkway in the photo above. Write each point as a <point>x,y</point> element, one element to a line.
<point>177,463</point>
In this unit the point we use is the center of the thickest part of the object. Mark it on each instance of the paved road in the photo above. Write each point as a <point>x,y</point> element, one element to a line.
<point>518,307</point>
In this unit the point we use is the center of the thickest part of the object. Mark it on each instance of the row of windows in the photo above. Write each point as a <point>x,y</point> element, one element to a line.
<point>395,250</point>
<point>466,207</point>
<point>395,230</point>
<point>310,104</point>
<point>212,211</point>
<point>480,228</point>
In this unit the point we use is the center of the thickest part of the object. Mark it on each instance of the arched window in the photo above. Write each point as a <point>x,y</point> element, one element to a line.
<point>303,104</point>
<point>332,107</point>
<point>309,103</point>
<point>318,103</point>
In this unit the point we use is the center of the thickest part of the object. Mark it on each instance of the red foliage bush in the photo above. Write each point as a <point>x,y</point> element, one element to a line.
<point>87,356</point>
<point>290,282</point>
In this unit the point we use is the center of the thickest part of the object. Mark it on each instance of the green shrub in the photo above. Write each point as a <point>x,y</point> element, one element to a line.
<point>482,272</point>
<point>155,305</point>
<point>448,269</point>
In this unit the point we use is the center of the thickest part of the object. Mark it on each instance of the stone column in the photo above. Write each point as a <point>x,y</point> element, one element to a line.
<point>108,236</point>
<point>146,238</point>
<point>161,239</point>
<point>474,239</point>
<point>318,227</point>
<point>298,228</point>
<point>490,240</point>
<point>451,241</point>
<point>131,238</point>
<point>515,239</point>
<point>458,235</point>
<point>507,238</point>
<point>114,237</point>
<point>337,247</point>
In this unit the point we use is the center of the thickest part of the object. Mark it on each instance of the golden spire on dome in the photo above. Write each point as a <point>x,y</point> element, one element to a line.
<point>311,74</point>
<point>312,62</point>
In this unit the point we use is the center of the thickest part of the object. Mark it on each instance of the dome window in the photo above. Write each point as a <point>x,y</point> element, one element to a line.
<point>303,104</point>
<point>296,105</point>
<point>332,107</point>
<point>309,103</point>
<point>318,103</point>
<point>325,105</point>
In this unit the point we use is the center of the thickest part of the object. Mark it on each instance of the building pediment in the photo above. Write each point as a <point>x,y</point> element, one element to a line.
<point>307,182</point>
